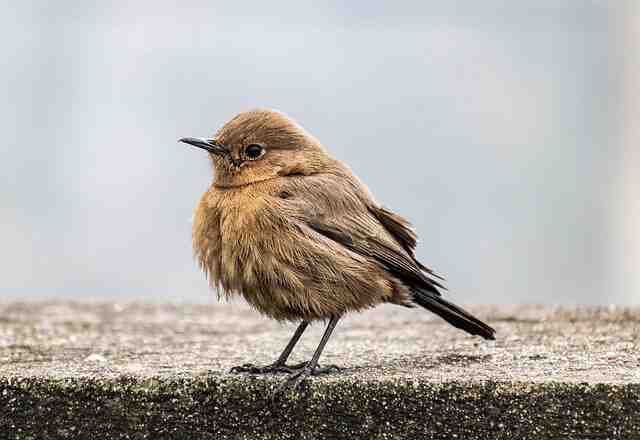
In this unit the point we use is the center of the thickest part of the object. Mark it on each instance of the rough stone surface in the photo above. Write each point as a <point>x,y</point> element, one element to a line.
<point>128,370</point>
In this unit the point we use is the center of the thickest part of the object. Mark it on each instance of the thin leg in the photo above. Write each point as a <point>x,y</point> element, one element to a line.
<point>282,360</point>
<point>325,337</point>
<point>278,366</point>
<point>311,368</point>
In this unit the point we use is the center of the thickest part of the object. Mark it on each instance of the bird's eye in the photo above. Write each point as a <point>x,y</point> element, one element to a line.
<point>253,151</point>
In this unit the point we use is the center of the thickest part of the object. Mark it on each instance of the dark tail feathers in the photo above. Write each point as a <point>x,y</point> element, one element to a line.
<point>453,314</point>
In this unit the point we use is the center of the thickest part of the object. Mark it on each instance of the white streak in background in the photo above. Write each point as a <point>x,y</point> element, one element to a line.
<point>627,226</point>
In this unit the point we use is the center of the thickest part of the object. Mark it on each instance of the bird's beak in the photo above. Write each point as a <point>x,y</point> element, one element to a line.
<point>211,145</point>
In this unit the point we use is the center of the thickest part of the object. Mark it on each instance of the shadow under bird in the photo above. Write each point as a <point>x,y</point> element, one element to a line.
<point>299,236</point>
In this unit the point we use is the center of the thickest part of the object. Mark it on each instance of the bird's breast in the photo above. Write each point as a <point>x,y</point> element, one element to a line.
<point>229,230</point>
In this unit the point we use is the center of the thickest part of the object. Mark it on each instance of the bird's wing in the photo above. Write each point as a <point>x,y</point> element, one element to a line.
<point>340,209</point>
<point>402,232</point>
<point>397,226</point>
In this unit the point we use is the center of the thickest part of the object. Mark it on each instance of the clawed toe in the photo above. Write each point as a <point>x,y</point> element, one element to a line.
<point>255,369</point>
<point>267,369</point>
<point>293,381</point>
<point>325,370</point>
<point>283,369</point>
<point>298,376</point>
<point>317,371</point>
<point>242,368</point>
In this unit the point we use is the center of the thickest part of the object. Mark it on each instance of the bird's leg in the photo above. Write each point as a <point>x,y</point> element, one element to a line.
<point>311,368</point>
<point>278,366</point>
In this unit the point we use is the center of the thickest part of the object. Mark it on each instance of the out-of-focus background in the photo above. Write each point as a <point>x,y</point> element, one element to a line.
<point>506,131</point>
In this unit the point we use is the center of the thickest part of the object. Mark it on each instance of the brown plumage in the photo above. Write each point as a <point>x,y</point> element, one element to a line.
<point>296,233</point>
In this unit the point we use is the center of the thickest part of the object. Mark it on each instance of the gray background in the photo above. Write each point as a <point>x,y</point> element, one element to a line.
<point>494,126</point>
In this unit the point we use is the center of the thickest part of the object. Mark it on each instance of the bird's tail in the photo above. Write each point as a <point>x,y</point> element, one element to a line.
<point>453,314</point>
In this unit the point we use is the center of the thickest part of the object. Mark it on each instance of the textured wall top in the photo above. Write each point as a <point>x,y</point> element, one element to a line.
<point>533,343</point>
<point>135,370</point>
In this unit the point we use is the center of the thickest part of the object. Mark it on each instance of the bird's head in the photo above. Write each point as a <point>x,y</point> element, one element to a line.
<point>260,145</point>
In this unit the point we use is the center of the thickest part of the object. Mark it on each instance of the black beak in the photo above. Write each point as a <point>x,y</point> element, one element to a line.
<point>207,144</point>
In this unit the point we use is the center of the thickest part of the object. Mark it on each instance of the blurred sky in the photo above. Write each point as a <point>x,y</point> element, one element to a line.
<point>493,126</point>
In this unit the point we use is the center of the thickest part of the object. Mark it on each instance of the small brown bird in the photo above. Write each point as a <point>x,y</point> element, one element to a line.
<point>297,234</point>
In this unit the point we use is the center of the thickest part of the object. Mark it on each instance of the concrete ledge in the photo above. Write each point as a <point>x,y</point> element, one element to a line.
<point>71,370</point>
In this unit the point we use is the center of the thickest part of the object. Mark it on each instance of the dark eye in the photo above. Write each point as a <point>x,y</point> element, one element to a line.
<point>253,151</point>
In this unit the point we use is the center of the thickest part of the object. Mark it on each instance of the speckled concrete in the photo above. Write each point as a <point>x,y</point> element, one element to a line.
<point>68,370</point>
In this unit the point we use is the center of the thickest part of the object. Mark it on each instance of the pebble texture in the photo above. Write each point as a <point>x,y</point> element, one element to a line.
<point>127,370</point>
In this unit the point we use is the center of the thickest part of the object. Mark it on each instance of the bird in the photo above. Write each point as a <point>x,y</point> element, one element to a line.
<point>295,232</point>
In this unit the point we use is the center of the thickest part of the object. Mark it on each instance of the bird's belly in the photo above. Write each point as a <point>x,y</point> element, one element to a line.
<point>288,291</point>
<point>270,286</point>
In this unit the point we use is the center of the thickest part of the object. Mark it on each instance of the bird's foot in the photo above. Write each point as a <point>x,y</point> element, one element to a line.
<point>274,368</point>
<point>297,376</point>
